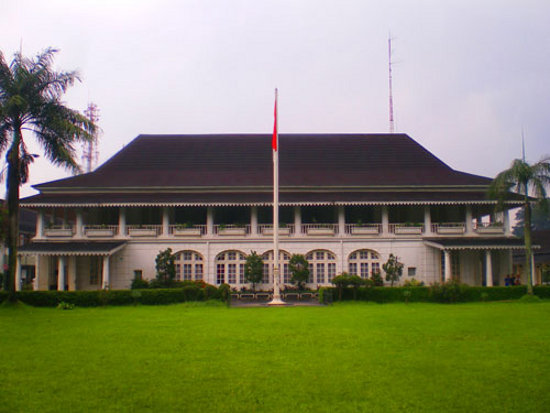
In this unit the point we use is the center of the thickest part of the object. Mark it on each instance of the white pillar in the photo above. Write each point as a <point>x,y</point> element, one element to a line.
<point>106,275</point>
<point>61,273</point>
<point>488,269</point>
<point>297,221</point>
<point>427,220</point>
<point>165,221</point>
<point>72,273</point>
<point>506,222</point>
<point>122,222</point>
<point>40,223</point>
<point>254,220</point>
<point>79,227</point>
<point>18,274</point>
<point>210,220</point>
<point>468,218</point>
<point>341,220</point>
<point>385,220</point>
<point>448,266</point>
<point>36,282</point>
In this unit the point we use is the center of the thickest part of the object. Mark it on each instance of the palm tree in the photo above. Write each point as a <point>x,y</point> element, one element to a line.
<point>30,100</point>
<point>530,182</point>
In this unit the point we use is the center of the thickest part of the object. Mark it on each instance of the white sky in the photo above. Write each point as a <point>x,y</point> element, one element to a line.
<point>468,74</point>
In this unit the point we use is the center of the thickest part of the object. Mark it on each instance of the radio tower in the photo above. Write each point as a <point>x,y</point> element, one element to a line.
<point>90,153</point>
<point>392,125</point>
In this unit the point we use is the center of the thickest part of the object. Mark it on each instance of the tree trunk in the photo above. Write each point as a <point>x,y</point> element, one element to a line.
<point>12,186</point>
<point>528,251</point>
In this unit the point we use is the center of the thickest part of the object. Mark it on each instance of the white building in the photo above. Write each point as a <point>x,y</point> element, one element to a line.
<point>346,202</point>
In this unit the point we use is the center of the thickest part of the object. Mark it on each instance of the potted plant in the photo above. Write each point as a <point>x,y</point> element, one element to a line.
<point>186,229</point>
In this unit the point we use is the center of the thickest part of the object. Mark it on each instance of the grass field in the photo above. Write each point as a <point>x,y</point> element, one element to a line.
<point>346,357</point>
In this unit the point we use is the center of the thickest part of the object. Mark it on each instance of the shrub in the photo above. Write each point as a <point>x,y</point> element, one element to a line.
<point>377,279</point>
<point>449,292</point>
<point>224,290</point>
<point>65,306</point>
<point>139,283</point>
<point>413,283</point>
<point>326,295</point>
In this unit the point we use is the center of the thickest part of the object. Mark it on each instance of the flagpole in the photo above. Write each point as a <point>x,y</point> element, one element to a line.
<point>276,269</point>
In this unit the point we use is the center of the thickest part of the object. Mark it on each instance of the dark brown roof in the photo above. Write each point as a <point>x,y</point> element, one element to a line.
<point>311,160</point>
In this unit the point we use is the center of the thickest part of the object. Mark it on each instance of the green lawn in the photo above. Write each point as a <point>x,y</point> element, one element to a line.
<point>347,357</point>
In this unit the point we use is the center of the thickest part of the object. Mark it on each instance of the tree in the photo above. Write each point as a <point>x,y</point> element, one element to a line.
<point>298,268</point>
<point>30,100</point>
<point>254,269</point>
<point>393,269</point>
<point>341,281</point>
<point>165,263</point>
<point>530,182</point>
<point>540,220</point>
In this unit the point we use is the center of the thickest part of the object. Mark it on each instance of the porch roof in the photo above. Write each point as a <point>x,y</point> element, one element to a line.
<point>259,198</point>
<point>72,248</point>
<point>476,243</point>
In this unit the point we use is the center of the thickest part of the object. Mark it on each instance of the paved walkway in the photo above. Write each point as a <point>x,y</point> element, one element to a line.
<point>264,303</point>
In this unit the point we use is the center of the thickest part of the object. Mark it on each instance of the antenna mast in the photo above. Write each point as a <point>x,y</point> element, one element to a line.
<point>90,153</point>
<point>392,125</point>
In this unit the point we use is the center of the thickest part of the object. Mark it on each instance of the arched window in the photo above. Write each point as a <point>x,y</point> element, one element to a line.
<point>189,266</point>
<point>322,266</point>
<point>364,263</point>
<point>230,267</point>
<point>267,257</point>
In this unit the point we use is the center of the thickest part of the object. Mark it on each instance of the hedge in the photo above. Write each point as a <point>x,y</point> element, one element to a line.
<point>117,297</point>
<point>443,293</point>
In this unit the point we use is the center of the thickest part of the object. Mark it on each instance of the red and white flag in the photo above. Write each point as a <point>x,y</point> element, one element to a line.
<point>274,140</point>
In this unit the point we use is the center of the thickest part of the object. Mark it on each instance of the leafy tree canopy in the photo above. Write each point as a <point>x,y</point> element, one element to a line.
<point>254,269</point>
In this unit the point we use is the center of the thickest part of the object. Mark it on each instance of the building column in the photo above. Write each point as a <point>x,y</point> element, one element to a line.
<point>72,273</point>
<point>488,269</point>
<point>36,282</point>
<point>165,221</point>
<point>18,274</point>
<point>79,226</point>
<point>254,220</point>
<point>385,220</point>
<point>210,220</point>
<point>122,221</point>
<point>40,223</point>
<point>448,266</point>
<point>106,275</point>
<point>297,221</point>
<point>61,273</point>
<point>341,220</point>
<point>506,222</point>
<point>468,220</point>
<point>427,220</point>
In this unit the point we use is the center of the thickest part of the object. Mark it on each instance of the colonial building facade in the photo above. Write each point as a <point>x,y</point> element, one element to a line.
<point>346,202</point>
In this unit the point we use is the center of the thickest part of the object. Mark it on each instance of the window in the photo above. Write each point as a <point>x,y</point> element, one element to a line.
<point>331,271</point>
<point>411,271</point>
<point>367,261</point>
<point>231,273</point>
<point>320,273</point>
<point>138,274</point>
<point>230,264</point>
<point>187,272</point>
<point>220,274</point>
<point>321,266</point>
<point>284,257</point>
<point>188,266</point>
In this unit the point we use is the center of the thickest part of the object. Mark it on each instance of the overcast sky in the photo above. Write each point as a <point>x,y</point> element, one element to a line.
<point>468,74</point>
